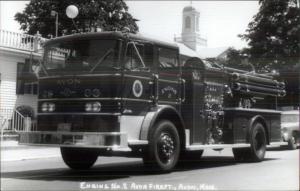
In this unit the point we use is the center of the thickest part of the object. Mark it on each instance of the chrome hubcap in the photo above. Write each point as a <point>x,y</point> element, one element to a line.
<point>166,147</point>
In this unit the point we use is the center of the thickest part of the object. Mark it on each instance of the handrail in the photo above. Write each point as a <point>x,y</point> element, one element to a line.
<point>20,41</point>
<point>18,121</point>
<point>14,121</point>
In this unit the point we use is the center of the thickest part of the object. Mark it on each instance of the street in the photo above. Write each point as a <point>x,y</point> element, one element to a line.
<point>215,171</point>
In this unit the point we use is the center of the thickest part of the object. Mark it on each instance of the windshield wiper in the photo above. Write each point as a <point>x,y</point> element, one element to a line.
<point>101,59</point>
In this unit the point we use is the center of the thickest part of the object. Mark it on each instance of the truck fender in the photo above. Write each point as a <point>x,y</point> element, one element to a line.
<point>162,112</point>
<point>260,119</point>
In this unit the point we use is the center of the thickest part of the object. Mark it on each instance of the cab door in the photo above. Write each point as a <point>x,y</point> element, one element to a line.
<point>137,78</point>
<point>169,81</point>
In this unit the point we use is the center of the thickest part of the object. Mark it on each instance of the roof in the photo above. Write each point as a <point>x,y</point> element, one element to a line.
<point>155,39</point>
<point>186,51</point>
<point>112,35</point>
<point>212,52</point>
<point>202,52</point>
<point>189,8</point>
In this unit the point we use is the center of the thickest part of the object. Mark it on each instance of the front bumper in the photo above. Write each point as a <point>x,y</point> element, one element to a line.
<point>74,139</point>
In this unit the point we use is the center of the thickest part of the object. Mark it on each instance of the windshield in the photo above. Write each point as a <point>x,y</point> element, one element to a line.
<point>80,56</point>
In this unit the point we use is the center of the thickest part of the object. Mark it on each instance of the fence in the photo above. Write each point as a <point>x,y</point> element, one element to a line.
<point>20,41</point>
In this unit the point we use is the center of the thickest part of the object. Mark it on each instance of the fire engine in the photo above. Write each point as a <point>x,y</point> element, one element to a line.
<point>115,93</point>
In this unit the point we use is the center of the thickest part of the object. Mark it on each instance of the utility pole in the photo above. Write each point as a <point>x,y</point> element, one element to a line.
<point>54,13</point>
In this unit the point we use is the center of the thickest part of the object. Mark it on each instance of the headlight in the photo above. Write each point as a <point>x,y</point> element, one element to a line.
<point>96,107</point>
<point>44,107</point>
<point>51,107</point>
<point>48,107</point>
<point>93,107</point>
<point>88,107</point>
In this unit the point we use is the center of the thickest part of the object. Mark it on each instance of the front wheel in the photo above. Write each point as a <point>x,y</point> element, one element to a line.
<point>79,158</point>
<point>164,146</point>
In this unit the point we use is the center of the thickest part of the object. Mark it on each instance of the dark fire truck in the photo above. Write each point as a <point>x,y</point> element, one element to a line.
<point>114,93</point>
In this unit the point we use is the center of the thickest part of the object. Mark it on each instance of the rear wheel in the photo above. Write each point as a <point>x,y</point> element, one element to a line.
<point>164,147</point>
<point>293,141</point>
<point>240,154</point>
<point>258,144</point>
<point>79,158</point>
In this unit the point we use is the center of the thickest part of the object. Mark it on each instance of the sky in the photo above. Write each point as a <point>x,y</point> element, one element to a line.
<point>220,21</point>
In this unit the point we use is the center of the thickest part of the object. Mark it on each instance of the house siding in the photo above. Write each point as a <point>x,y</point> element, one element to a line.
<point>9,100</point>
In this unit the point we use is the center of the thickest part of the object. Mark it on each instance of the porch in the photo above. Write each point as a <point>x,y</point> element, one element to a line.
<point>17,51</point>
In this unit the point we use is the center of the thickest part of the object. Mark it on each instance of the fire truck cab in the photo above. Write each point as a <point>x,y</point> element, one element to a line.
<point>112,92</point>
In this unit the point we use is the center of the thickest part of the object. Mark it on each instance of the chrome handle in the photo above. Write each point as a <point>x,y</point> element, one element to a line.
<point>183,89</point>
<point>154,85</point>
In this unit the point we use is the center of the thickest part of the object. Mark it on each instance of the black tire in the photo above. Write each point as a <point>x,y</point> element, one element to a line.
<point>190,156</point>
<point>79,158</point>
<point>242,154</point>
<point>258,145</point>
<point>258,141</point>
<point>164,147</point>
<point>292,142</point>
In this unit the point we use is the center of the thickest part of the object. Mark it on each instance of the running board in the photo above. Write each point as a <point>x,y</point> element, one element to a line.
<point>216,146</point>
<point>223,146</point>
<point>277,144</point>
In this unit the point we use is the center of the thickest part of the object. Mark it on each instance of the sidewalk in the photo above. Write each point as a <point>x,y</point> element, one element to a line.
<point>12,151</point>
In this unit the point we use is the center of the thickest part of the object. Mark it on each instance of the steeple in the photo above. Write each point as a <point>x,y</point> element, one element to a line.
<point>190,35</point>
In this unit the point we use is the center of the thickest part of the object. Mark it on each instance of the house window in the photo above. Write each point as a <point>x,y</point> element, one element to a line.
<point>30,88</point>
<point>26,79</point>
<point>187,22</point>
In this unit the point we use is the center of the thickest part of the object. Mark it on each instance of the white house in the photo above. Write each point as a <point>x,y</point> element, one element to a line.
<point>17,83</point>
<point>191,38</point>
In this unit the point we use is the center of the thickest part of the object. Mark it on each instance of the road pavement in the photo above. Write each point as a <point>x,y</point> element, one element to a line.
<point>215,171</point>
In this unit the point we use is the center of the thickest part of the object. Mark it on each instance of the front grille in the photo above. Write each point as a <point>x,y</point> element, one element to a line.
<point>79,123</point>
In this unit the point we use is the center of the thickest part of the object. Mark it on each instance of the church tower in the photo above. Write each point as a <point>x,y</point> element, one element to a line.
<point>190,35</point>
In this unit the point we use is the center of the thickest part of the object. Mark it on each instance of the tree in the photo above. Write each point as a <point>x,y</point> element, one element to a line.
<point>274,35</point>
<point>109,15</point>
<point>237,59</point>
<point>234,59</point>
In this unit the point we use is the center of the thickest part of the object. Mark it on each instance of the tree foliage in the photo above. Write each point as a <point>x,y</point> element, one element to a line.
<point>109,15</point>
<point>234,59</point>
<point>274,35</point>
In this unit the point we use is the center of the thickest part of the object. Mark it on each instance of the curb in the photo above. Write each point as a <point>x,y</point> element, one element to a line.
<point>14,145</point>
<point>10,144</point>
<point>12,151</point>
<point>29,154</point>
